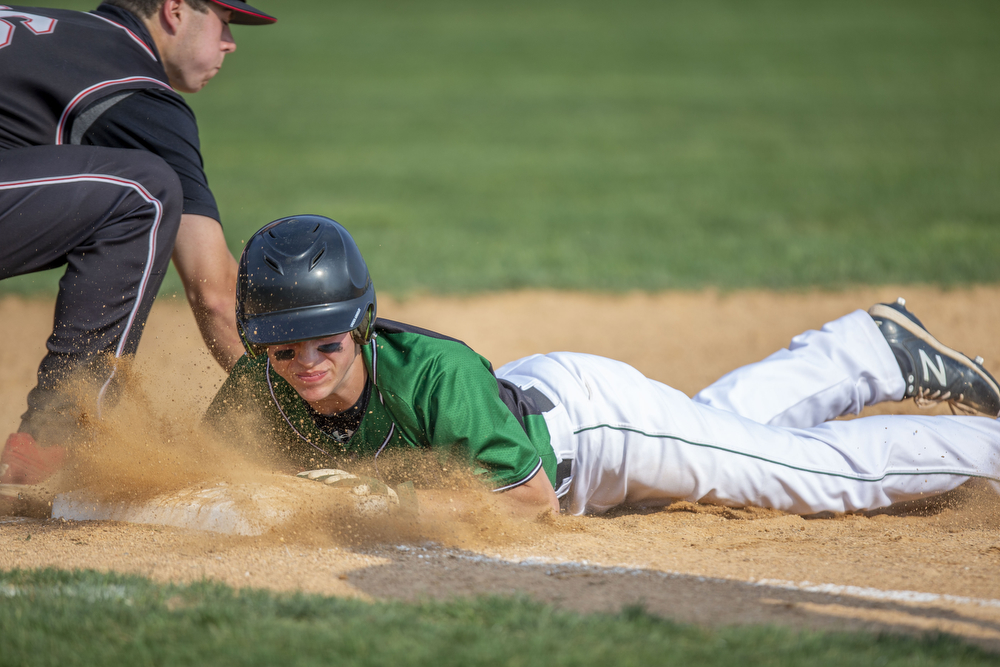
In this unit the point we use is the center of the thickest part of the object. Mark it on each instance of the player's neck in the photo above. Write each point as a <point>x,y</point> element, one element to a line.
<point>157,33</point>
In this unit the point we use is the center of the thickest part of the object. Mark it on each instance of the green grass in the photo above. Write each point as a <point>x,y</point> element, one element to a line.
<point>634,144</point>
<point>52,617</point>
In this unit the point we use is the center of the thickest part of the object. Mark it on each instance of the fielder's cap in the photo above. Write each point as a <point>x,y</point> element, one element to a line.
<point>244,14</point>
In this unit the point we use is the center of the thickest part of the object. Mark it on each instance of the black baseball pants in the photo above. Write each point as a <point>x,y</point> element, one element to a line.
<point>110,216</point>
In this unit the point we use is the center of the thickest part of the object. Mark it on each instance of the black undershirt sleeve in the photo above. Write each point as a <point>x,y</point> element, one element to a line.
<point>160,122</point>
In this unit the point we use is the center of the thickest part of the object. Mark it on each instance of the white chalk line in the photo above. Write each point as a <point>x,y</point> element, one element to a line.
<point>864,592</point>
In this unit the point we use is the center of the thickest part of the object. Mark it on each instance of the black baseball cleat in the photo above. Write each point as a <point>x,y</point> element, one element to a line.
<point>935,372</point>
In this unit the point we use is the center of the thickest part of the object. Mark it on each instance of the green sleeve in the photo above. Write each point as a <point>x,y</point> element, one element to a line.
<point>458,405</point>
<point>242,411</point>
<point>237,394</point>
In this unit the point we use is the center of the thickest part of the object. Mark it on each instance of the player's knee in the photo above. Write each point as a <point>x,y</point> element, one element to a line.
<point>159,188</point>
<point>161,182</point>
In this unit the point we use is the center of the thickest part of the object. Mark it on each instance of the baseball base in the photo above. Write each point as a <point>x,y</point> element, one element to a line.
<point>231,508</point>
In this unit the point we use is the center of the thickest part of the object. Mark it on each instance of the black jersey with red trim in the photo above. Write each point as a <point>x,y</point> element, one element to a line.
<point>95,79</point>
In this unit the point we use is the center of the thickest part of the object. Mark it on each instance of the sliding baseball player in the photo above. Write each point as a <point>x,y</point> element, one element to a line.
<point>331,382</point>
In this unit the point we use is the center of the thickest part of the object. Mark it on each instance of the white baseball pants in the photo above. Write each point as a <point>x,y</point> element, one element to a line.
<point>759,435</point>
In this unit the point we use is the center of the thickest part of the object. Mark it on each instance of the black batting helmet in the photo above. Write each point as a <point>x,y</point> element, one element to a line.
<point>299,278</point>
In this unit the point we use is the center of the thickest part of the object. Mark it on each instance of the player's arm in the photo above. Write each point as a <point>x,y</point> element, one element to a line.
<point>461,411</point>
<point>208,271</point>
<point>159,121</point>
<point>537,493</point>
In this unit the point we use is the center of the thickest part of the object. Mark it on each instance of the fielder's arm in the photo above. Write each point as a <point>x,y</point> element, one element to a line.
<point>208,271</point>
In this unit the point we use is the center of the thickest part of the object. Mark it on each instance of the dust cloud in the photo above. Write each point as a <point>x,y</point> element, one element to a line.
<point>151,443</point>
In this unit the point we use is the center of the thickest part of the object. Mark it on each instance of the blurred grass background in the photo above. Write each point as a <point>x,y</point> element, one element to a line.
<point>639,144</point>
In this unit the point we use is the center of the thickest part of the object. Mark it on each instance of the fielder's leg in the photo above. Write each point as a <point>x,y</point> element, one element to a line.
<point>111,217</point>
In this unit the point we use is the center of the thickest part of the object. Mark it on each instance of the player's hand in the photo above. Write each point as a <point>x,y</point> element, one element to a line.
<point>327,475</point>
<point>371,497</point>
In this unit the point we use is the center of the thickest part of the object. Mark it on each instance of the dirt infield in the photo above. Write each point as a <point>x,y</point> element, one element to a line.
<point>929,566</point>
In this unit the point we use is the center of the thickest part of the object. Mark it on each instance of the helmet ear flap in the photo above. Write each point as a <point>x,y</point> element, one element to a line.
<point>362,335</point>
<point>253,351</point>
<point>370,322</point>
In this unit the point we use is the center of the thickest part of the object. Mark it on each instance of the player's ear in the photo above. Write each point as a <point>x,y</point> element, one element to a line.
<point>171,15</point>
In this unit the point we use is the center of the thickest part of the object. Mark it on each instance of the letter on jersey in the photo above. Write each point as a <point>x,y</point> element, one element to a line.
<point>40,25</point>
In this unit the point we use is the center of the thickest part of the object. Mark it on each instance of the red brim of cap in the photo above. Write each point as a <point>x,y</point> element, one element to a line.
<point>244,14</point>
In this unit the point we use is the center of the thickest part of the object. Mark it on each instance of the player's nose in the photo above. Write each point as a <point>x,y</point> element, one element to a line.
<point>228,41</point>
<point>308,355</point>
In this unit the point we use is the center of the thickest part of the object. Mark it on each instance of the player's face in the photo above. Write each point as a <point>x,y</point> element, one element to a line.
<point>202,41</point>
<point>328,373</point>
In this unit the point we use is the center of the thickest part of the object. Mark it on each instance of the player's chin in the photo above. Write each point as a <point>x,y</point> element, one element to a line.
<point>195,85</point>
<point>187,86</point>
<point>201,84</point>
<point>315,389</point>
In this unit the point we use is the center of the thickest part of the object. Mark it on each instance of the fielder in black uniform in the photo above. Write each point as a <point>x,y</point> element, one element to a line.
<point>101,171</point>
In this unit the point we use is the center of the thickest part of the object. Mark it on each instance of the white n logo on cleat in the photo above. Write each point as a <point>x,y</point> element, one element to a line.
<point>930,368</point>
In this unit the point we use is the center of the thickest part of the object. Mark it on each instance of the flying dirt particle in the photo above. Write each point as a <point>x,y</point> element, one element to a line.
<point>143,449</point>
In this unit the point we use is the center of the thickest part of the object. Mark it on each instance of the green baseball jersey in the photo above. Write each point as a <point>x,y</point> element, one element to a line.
<point>428,391</point>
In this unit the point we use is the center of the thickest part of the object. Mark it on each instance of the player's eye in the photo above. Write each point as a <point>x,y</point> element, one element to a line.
<point>328,348</point>
<point>284,355</point>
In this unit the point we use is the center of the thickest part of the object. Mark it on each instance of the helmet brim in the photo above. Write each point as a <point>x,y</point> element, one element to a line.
<point>292,326</point>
